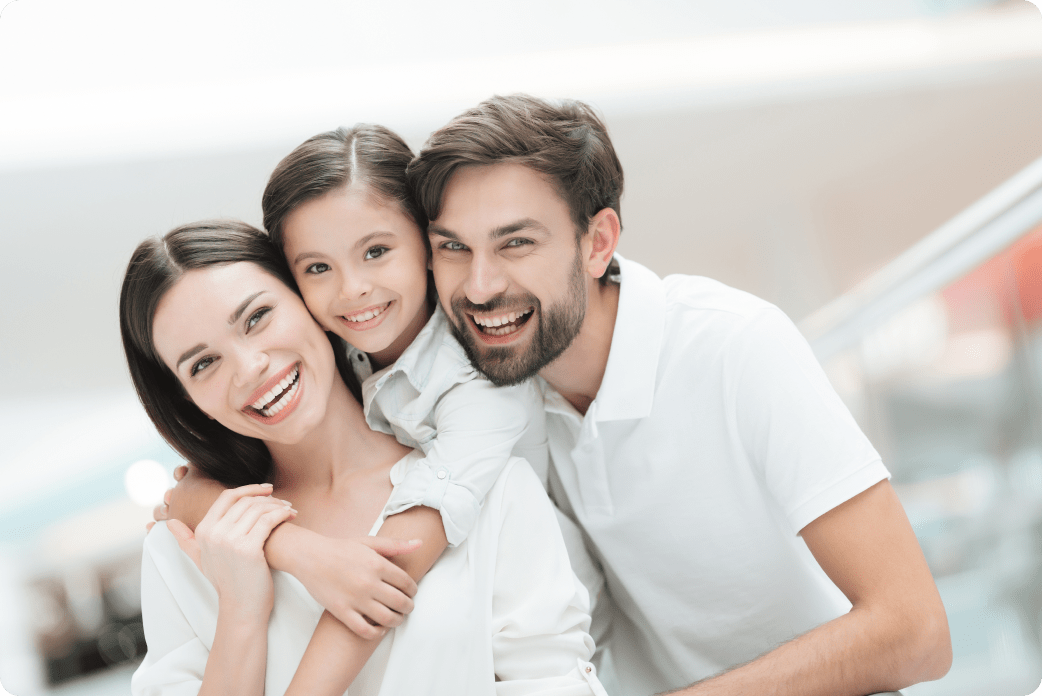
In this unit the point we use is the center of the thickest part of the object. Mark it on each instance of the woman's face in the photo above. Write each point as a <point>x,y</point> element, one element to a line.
<point>362,268</point>
<point>246,350</point>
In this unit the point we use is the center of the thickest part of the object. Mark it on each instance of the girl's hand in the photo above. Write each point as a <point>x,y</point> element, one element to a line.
<point>228,547</point>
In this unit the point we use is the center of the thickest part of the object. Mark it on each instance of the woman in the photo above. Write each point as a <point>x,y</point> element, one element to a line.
<point>239,378</point>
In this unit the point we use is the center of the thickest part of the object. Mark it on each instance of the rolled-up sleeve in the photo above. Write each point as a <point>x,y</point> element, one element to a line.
<point>478,426</point>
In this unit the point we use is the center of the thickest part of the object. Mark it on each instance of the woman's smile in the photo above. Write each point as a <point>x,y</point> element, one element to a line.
<point>277,398</point>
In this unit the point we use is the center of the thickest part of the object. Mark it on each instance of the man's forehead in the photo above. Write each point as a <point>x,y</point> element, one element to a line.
<point>496,195</point>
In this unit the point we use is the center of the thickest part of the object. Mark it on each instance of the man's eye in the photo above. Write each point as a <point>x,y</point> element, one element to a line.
<point>518,241</point>
<point>375,252</point>
<point>317,268</point>
<point>453,246</point>
<point>201,365</point>
<point>256,317</point>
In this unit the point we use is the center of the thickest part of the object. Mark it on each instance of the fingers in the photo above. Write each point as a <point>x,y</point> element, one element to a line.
<point>391,547</point>
<point>185,539</point>
<point>357,623</point>
<point>399,579</point>
<point>394,599</point>
<point>267,522</point>
<point>383,616</point>
<point>148,526</point>
<point>160,512</point>
<point>179,472</point>
<point>254,509</point>
<point>228,498</point>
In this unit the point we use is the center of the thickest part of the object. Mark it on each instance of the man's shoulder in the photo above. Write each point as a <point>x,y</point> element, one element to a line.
<point>704,309</point>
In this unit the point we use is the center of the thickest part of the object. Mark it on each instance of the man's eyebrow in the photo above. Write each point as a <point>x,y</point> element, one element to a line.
<point>519,225</point>
<point>497,232</point>
<point>189,353</point>
<point>242,308</point>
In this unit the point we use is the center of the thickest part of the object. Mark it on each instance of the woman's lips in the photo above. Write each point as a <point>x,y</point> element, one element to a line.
<point>286,401</point>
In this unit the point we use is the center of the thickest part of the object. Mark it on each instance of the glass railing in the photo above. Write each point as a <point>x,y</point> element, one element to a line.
<point>939,357</point>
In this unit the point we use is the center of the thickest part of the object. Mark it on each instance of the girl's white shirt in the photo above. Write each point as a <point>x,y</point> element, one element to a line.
<point>504,604</point>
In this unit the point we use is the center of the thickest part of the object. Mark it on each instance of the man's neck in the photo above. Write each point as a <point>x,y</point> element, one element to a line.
<point>578,372</point>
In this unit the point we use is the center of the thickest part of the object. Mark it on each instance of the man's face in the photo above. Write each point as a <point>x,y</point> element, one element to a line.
<point>508,270</point>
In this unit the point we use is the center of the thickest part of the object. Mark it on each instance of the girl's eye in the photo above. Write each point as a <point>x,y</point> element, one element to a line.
<point>317,268</point>
<point>201,365</point>
<point>375,252</point>
<point>256,317</point>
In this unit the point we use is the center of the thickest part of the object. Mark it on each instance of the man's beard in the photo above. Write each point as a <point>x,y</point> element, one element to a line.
<point>557,327</point>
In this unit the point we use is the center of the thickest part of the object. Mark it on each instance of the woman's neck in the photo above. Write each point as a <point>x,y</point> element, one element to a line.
<point>340,445</point>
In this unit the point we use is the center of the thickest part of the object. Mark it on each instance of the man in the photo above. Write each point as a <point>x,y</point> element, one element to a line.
<point>745,527</point>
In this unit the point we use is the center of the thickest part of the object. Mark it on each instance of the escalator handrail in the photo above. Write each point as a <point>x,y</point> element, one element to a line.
<point>969,239</point>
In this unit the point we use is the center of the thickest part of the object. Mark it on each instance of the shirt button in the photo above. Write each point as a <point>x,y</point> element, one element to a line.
<point>361,358</point>
<point>442,474</point>
<point>589,669</point>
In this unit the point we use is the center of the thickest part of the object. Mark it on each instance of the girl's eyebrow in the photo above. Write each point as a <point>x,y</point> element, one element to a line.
<point>371,236</point>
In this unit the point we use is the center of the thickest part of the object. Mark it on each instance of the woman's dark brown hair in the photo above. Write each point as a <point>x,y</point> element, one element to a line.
<point>156,265</point>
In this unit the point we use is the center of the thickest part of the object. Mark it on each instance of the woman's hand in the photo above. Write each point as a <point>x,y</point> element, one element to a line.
<point>228,547</point>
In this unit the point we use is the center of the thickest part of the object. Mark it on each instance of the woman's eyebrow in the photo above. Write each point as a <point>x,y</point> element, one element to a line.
<point>189,353</point>
<point>242,308</point>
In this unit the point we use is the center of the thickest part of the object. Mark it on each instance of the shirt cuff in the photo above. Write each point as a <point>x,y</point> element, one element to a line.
<point>838,493</point>
<point>434,488</point>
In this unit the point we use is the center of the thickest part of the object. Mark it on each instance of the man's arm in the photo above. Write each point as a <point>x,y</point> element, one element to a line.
<point>895,635</point>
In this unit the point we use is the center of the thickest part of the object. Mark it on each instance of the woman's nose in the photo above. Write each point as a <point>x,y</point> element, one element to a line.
<point>251,367</point>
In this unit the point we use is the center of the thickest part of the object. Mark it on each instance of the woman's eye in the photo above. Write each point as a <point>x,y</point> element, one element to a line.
<point>201,365</point>
<point>317,268</point>
<point>256,317</point>
<point>375,252</point>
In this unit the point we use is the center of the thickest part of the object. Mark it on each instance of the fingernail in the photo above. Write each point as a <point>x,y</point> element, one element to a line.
<point>267,485</point>
<point>166,498</point>
<point>293,511</point>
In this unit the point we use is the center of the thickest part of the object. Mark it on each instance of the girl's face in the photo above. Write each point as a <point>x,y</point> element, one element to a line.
<point>362,268</point>
<point>246,350</point>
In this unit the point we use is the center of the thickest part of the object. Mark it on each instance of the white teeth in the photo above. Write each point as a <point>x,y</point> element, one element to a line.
<point>276,390</point>
<point>268,413</point>
<point>367,315</point>
<point>492,322</point>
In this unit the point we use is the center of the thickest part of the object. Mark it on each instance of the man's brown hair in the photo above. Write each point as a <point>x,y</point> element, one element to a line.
<point>565,142</point>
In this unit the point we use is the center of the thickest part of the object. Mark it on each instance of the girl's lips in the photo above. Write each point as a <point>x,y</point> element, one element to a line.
<point>369,323</point>
<point>290,406</point>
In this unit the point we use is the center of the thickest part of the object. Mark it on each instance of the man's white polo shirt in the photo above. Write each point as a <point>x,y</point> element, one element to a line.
<point>714,439</point>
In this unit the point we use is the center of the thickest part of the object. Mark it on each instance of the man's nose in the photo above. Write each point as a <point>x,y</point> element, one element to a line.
<point>486,279</point>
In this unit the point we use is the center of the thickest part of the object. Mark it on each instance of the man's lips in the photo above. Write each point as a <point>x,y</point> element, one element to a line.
<point>500,327</point>
<point>367,318</point>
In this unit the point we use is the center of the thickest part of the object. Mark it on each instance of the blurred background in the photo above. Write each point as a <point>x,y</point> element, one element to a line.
<point>870,166</point>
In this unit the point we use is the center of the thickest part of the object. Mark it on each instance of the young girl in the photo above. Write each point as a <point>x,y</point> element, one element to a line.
<point>339,208</point>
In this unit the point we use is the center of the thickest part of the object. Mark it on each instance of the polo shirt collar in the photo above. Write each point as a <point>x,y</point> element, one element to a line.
<point>628,388</point>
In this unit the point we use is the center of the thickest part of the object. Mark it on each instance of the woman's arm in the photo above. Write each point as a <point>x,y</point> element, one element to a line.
<point>229,551</point>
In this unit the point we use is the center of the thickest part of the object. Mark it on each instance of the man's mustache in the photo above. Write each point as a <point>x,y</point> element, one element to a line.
<point>462,304</point>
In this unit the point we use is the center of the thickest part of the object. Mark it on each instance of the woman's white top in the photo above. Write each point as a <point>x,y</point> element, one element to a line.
<point>501,613</point>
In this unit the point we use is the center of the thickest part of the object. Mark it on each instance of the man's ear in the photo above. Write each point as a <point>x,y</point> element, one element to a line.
<point>599,243</point>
